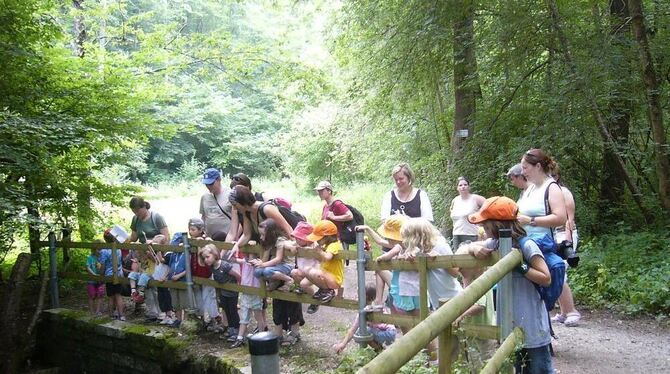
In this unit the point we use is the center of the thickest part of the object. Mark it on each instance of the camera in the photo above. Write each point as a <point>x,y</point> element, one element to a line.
<point>567,252</point>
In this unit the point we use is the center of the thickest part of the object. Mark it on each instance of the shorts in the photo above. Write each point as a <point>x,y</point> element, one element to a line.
<point>142,279</point>
<point>179,299</point>
<point>404,303</point>
<point>286,313</point>
<point>113,289</point>
<point>383,336</point>
<point>249,303</point>
<point>283,268</point>
<point>95,290</point>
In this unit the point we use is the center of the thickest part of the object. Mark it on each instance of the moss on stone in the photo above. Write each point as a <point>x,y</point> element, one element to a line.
<point>136,329</point>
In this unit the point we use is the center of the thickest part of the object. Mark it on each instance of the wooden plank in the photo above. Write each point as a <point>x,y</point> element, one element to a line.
<point>490,332</point>
<point>395,319</point>
<point>423,288</point>
<point>506,349</point>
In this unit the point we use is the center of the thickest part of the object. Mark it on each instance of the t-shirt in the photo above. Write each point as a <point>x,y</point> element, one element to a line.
<point>486,317</point>
<point>106,260</point>
<point>334,266</point>
<point>338,208</point>
<point>460,209</point>
<point>91,261</point>
<point>216,220</point>
<point>247,276</point>
<point>441,284</point>
<point>222,275</point>
<point>147,226</point>
<point>178,265</point>
<point>529,311</point>
<point>197,270</point>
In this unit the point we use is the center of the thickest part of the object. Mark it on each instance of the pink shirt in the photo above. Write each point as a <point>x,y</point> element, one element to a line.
<point>247,276</point>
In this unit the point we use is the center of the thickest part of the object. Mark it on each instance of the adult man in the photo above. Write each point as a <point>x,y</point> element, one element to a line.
<point>516,178</point>
<point>215,208</point>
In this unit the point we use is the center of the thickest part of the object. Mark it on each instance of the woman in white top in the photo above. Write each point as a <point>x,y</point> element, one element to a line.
<point>461,207</point>
<point>541,206</point>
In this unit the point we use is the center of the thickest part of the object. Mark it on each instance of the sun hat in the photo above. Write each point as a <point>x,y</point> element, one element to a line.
<point>302,230</point>
<point>211,175</point>
<point>390,229</point>
<point>323,185</point>
<point>321,229</point>
<point>499,208</point>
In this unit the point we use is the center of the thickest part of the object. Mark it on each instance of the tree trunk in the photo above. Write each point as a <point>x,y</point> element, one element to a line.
<point>595,109</point>
<point>612,182</point>
<point>654,102</point>
<point>79,30</point>
<point>465,75</point>
<point>10,327</point>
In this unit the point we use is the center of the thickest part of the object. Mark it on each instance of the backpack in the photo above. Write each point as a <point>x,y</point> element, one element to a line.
<point>291,216</point>
<point>176,238</point>
<point>549,294</point>
<point>348,234</point>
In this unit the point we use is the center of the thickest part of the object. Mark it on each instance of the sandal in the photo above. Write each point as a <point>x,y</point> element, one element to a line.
<point>290,339</point>
<point>572,319</point>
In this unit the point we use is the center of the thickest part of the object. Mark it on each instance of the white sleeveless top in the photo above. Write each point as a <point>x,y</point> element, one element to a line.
<point>531,204</point>
<point>460,210</point>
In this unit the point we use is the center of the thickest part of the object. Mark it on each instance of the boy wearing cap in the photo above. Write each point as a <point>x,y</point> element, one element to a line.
<point>330,276</point>
<point>215,209</point>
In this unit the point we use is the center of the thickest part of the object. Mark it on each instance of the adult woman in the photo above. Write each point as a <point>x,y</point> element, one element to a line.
<point>541,205</point>
<point>568,315</point>
<point>404,198</point>
<point>145,224</point>
<point>461,207</point>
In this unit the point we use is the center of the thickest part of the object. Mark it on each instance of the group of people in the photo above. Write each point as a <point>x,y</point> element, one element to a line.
<point>237,214</point>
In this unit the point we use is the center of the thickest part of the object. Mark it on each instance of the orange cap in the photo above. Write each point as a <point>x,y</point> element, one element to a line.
<point>499,208</point>
<point>321,229</point>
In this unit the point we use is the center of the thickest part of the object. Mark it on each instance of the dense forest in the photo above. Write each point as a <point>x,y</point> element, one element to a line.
<point>98,97</point>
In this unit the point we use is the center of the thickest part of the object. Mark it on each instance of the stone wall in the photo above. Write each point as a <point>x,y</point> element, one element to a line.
<point>79,343</point>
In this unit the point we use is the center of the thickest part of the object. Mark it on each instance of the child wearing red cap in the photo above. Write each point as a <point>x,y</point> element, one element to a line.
<point>330,276</point>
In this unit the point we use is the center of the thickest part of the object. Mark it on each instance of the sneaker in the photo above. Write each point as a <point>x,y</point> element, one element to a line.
<point>167,321</point>
<point>237,343</point>
<point>290,339</point>
<point>299,291</point>
<point>272,285</point>
<point>559,318</point>
<point>286,287</point>
<point>313,308</point>
<point>374,308</point>
<point>327,296</point>
<point>232,338</point>
<point>122,318</point>
<point>572,319</point>
<point>254,331</point>
<point>175,323</point>
<point>318,294</point>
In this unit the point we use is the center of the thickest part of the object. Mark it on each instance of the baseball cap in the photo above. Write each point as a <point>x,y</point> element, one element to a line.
<point>323,185</point>
<point>196,222</point>
<point>390,229</point>
<point>302,230</point>
<point>499,208</point>
<point>211,175</point>
<point>321,229</point>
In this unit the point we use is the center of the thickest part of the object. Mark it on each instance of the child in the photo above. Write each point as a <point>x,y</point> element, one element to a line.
<point>205,296</point>
<point>382,333</point>
<point>95,290</point>
<point>179,297</point>
<point>107,269</point>
<point>529,310</point>
<point>419,233</point>
<point>152,259</point>
<point>223,273</point>
<point>330,276</point>
<point>303,265</point>
<point>391,226</point>
<point>248,303</point>
<point>275,268</point>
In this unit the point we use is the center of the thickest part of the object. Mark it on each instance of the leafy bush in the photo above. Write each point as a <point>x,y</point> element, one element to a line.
<point>626,271</point>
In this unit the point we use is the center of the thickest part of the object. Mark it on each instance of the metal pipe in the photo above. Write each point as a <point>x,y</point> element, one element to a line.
<point>362,336</point>
<point>394,357</point>
<point>505,297</point>
<point>53,270</point>
<point>189,277</point>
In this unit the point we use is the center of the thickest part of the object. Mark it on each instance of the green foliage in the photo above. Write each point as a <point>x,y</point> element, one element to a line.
<point>626,271</point>
<point>355,360</point>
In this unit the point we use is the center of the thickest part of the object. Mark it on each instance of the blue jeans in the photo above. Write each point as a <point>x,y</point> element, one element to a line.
<point>534,361</point>
<point>268,272</point>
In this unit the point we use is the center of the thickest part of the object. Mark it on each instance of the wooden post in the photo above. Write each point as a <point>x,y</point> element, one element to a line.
<point>423,287</point>
<point>506,349</point>
<point>53,269</point>
<point>445,347</point>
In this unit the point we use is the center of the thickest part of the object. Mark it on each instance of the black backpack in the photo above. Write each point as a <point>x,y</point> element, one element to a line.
<point>348,234</point>
<point>291,216</point>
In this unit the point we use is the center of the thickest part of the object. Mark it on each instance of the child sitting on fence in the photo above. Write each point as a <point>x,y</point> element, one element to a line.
<point>330,276</point>
<point>391,226</point>
<point>94,289</point>
<point>248,303</point>
<point>529,311</point>
<point>382,333</point>
<point>303,264</point>
<point>273,265</point>
<point>223,273</point>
